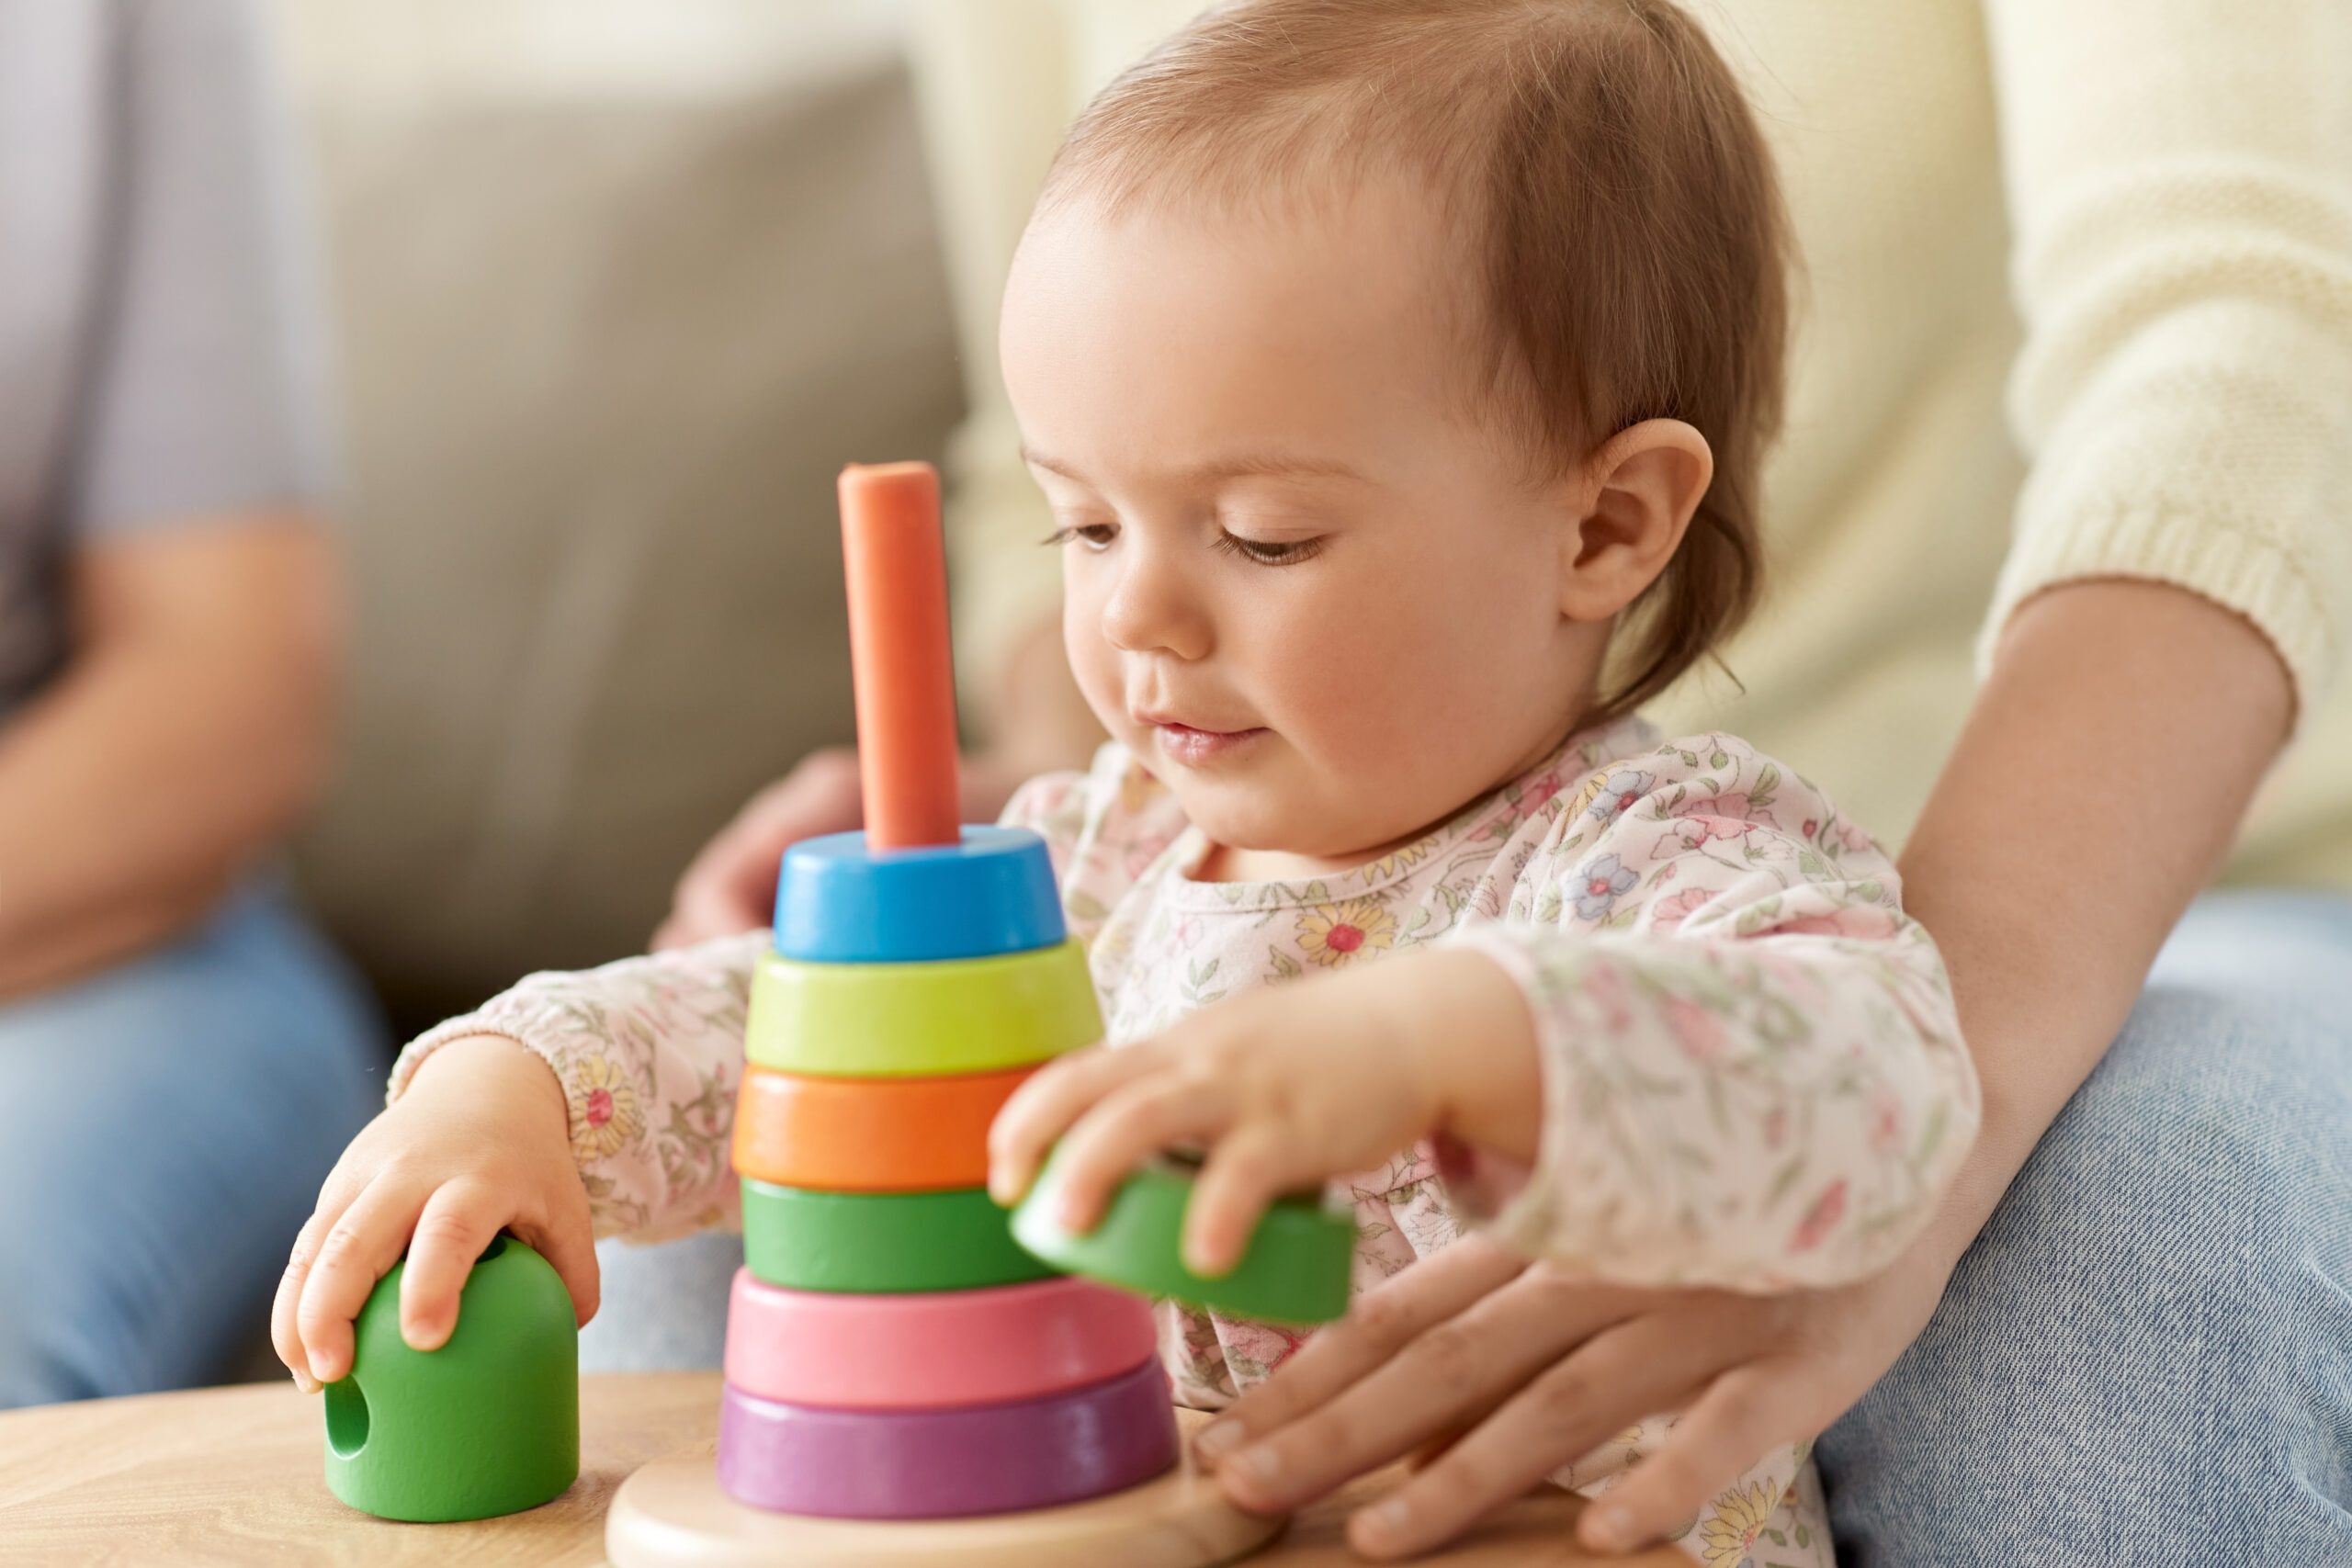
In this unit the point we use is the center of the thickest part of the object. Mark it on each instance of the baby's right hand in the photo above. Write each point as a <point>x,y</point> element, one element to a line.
<point>480,1143</point>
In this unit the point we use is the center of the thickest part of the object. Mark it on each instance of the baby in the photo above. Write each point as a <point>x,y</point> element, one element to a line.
<point>1398,374</point>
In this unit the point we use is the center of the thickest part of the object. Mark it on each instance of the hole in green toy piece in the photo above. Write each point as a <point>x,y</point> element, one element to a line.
<point>346,1417</point>
<point>497,1244</point>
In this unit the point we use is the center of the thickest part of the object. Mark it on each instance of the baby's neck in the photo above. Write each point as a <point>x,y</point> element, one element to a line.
<point>1223,863</point>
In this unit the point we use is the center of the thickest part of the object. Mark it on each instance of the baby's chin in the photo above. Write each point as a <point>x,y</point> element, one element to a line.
<point>1256,803</point>
<point>1241,818</point>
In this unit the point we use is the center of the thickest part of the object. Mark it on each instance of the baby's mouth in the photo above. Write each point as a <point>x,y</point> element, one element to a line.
<point>1194,747</point>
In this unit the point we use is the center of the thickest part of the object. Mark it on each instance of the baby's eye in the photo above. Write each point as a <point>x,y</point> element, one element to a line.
<point>1268,552</point>
<point>1093,535</point>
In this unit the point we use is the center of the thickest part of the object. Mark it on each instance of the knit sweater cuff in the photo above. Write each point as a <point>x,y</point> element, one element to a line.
<point>2254,577</point>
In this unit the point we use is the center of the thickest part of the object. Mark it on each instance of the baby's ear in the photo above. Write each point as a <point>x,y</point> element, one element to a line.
<point>1639,490</point>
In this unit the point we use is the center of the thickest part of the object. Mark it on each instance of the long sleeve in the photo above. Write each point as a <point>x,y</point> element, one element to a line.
<point>2179,178</point>
<point>650,1051</point>
<point>1753,1072</point>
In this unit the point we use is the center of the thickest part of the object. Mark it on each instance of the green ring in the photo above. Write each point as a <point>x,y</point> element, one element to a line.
<point>945,1017</point>
<point>1296,1270</point>
<point>880,1243</point>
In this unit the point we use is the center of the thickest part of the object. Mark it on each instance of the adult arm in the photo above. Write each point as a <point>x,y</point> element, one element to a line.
<point>189,731</point>
<point>2129,723</point>
<point>190,724</point>
<point>2181,184</point>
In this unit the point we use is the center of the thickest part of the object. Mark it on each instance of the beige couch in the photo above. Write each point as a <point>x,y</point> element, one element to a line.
<point>604,344</point>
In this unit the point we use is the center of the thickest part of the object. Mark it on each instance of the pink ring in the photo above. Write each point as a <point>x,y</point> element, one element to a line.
<point>930,1349</point>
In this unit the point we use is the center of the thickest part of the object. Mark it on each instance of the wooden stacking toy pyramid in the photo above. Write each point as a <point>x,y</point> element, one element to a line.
<point>904,1383</point>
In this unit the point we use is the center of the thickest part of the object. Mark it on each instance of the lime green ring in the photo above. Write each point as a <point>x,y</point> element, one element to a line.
<point>1296,1270</point>
<point>880,1243</point>
<point>949,1016</point>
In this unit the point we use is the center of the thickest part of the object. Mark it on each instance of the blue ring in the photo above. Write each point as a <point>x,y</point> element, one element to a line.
<point>993,893</point>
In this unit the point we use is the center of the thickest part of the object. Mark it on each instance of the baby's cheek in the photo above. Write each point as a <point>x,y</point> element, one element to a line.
<point>1092,659</point>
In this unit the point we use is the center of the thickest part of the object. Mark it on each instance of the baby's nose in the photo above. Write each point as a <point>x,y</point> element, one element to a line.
<point>1155,609</point>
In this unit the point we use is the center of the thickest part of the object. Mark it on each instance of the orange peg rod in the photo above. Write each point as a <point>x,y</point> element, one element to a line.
<point>903,677</point>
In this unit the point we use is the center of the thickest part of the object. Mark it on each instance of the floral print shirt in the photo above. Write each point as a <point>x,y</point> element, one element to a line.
<point>1752,1073</point>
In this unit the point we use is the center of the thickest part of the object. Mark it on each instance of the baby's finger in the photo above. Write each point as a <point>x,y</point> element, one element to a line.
<point>1047,1102</point>
<point>457,1223</point>
<point>1244,1174</point>
<point>1122,1130</point>
<point>356,1252</point>
<point>1380,1324</point>
<point>335,1194</point>
<point>283,1333</point>
<point>568,1243</point>
<point>1735,1423</point>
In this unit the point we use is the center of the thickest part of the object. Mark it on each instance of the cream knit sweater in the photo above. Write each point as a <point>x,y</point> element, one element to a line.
<point>2078,280</point>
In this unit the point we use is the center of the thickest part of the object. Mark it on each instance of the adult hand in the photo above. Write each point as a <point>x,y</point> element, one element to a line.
<point>1498,1372</point>
<point>730,885</point>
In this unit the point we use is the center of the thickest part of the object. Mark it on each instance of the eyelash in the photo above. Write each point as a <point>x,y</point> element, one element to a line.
<point>1084,532</point>
<point>1265,554</point>
<point>1248,549</point>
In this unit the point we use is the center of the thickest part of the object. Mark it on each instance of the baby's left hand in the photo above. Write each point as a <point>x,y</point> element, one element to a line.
<point>1286,1086</point>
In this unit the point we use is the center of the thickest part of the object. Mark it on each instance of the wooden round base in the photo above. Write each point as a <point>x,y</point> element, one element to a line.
<point>672,1513</point>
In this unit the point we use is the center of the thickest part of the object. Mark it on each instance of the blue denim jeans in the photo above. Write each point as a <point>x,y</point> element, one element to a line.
<point>163,1130</point>
<point>2147,1356</point>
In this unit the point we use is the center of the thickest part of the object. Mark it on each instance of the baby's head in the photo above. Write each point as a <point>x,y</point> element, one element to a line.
<point>1380,360</point>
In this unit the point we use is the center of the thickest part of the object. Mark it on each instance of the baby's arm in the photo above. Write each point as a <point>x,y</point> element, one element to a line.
<point>648,1052</point>
<point>1752,1071</point>
<point>1733,1058</point>
<point>572,1106</point>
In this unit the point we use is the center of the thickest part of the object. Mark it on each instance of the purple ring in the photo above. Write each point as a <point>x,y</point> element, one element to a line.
<point>935,1464</point>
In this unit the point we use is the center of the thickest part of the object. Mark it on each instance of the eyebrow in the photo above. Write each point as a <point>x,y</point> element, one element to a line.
<point>1240,464</point>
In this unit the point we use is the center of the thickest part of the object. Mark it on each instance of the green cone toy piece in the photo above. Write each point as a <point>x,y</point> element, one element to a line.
<point>488,1424</point>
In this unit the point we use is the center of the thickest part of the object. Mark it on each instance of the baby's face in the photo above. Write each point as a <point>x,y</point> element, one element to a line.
<point>1304,582</point>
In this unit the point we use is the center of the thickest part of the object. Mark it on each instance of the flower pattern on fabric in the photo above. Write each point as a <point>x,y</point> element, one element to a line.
<point>1600,884</point>
<point>1752,1072</point>
<point>650,1051</point>
<point>1614,796</point>
<point>604,1111</point>
<point>1735,1521</point>
<point>1332,934</point>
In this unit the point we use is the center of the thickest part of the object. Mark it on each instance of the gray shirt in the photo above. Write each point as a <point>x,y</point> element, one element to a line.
<point>155,361</point>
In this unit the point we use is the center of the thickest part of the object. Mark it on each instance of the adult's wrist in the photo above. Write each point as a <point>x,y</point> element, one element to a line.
<point>2005,1139</point>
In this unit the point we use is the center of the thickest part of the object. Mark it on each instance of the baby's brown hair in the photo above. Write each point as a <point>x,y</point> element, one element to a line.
<point>1616,186</point>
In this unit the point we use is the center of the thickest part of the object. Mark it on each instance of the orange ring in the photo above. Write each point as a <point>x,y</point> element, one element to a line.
<point>901,1134</point>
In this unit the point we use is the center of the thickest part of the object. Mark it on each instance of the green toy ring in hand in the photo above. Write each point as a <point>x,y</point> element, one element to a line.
<point>1296,1271</point>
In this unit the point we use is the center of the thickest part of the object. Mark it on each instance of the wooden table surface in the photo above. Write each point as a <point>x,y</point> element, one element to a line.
<point>235,1477</point>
